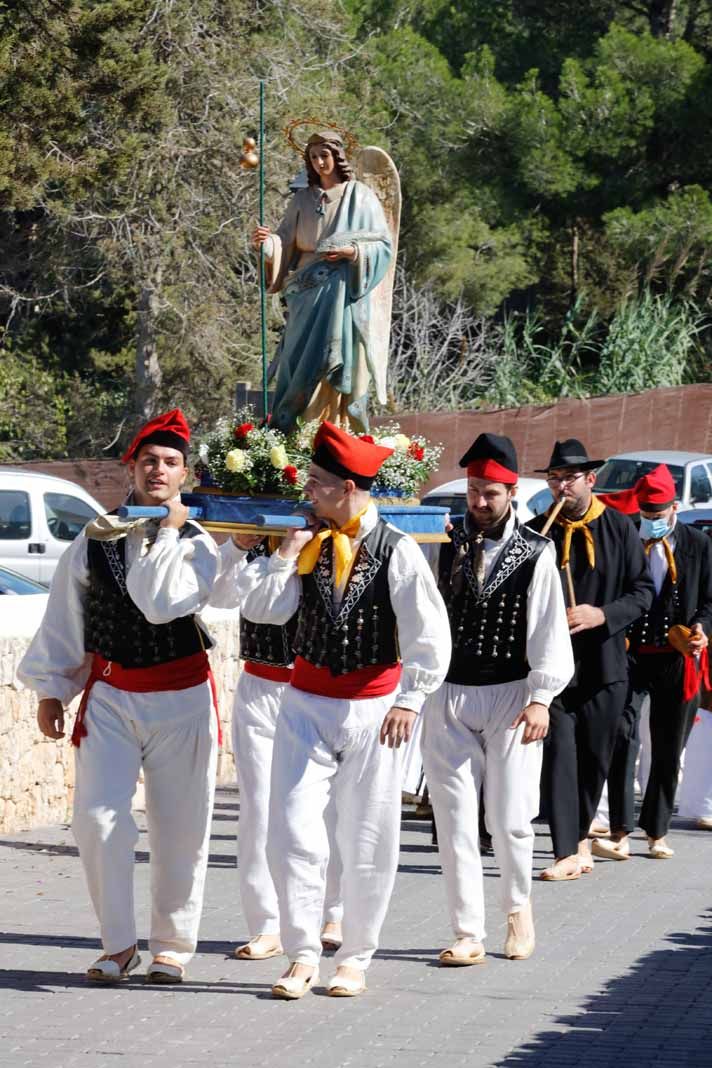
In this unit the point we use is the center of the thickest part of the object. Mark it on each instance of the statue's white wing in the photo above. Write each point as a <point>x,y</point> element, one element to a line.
<point>377,170</point>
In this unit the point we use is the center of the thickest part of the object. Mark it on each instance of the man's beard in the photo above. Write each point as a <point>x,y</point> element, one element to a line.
<point>491,525</point>
<point>574,507</point>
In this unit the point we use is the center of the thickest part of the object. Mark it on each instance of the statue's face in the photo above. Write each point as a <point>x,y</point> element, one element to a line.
<point>322,160</point>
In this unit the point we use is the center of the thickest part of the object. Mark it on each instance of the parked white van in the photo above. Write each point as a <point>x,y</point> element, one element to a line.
<point>39,516</point>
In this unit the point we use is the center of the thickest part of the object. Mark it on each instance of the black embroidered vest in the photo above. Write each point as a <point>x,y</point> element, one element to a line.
<point>362,631</point>
<point>265,643</point>
<point>653,626</point>
<point>489,627</point>
<point>116,629</point>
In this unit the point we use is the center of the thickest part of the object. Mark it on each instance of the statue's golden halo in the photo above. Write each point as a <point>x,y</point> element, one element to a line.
<point>350,142</point>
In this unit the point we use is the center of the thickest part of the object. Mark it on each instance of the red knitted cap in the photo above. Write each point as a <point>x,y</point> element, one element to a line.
<point>169,429</point>
<point>347,456</point>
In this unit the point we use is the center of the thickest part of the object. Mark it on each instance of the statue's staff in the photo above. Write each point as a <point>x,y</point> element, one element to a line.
<point>253,155</point>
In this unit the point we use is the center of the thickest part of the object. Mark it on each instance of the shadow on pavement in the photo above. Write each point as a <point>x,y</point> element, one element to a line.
<point>658,1013</point>
<point>43,982</point>
<point>215,860</point>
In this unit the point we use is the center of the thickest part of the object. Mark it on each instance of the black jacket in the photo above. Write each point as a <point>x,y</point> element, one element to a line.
<point>689,601</point>
<point>620,584</point>
<point>693,556</point>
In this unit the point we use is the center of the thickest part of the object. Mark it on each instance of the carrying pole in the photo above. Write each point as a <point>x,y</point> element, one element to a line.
<point>263,291</point>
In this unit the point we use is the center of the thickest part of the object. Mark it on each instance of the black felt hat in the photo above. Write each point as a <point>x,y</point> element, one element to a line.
<point>570,453</point>
<point>494,457</point>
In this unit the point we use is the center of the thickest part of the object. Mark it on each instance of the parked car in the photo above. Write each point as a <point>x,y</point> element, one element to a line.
<point>691,472</point>
<point>697,517</point>
<point>533,497</point>
<point>39,516</point>
<point>22,604</point>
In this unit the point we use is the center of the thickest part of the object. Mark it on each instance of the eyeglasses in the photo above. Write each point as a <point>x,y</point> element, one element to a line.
<point>564,480</point>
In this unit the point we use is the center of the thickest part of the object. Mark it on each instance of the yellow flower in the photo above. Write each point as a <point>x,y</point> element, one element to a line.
<point>278,457</point>
<point>402,442</point>
<point>235,461</point>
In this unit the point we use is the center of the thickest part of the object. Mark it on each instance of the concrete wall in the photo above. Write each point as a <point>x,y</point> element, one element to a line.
<point>37,775</point>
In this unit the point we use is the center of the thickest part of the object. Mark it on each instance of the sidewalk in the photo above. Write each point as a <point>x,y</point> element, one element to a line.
<point>622,974</point>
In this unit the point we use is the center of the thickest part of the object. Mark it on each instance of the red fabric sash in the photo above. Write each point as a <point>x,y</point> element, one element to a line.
<point>271,672</point>
<point>696,670</point>
<point>373,681</point>
<point>178,674</point>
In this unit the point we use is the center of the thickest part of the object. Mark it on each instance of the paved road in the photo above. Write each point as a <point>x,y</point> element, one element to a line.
<point>622,974</point>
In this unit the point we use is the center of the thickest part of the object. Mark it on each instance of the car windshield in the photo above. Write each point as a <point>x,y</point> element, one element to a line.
<point>66,515</point>
<point>13,584</point>
<point>541,500</point>
<point>456,503</point>
<point>623,474</point>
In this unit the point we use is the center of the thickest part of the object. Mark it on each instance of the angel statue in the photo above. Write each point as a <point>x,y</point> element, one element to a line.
<point>333,258</point>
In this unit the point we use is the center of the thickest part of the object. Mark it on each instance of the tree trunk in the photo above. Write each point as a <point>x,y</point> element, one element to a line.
<point>148,368</point>
<point>661,14</point>
<point>574,262</point>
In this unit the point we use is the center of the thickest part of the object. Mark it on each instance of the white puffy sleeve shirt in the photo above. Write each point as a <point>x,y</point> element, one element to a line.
<point>231,561</point>
<point>173,579</point>
<point>270,590</point>
<point>549,651</point>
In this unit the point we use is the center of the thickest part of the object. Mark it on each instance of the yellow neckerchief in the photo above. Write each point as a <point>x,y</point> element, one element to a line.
<point>672,566</point>
<point>595,509</point>
<point>343,553</point>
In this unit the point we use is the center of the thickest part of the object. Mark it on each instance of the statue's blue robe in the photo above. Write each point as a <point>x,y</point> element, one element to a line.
<point>328,307</point>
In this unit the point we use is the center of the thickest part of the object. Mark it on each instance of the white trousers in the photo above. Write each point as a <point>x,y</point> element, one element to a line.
<point>173,736</point>
<point>254,719</point>
<point>413,759</point>
<point>327,748</point>
<point>468,744</point>
<point>695,795</point>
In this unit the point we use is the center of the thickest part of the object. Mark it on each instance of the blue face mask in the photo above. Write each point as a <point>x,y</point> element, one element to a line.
<point>654,528</point>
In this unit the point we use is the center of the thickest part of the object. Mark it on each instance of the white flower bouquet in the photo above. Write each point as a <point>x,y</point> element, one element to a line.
<point>240,456</point>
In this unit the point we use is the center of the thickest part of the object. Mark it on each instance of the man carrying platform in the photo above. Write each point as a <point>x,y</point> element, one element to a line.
<point>607,587</point>
<point>511,654</point>
<point>267,658</point>
<point>372,641</point>
<point>121,625</point>
<point>680,560</point>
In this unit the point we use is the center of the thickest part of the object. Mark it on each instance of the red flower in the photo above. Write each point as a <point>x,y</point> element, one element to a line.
<point>368,438</point>
<point>243,430</point>
<point>291,474</point>
<point>416,451</point>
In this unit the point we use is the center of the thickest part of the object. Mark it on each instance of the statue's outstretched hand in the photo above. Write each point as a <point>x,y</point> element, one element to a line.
<point>348,252</point>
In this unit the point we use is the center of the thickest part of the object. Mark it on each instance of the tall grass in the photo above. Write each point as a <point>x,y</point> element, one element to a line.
<point>652,341</point>
<point>442,359</point>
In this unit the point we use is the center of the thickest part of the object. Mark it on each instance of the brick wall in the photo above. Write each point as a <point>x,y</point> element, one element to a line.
<point>679,418</point>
